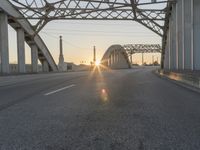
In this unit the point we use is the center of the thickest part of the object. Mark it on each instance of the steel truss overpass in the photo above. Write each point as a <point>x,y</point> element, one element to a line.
<point>28,17</point>
<point>146,12</point>
<point>142,48</point>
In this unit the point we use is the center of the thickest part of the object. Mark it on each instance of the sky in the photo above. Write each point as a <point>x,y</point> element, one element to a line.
<point>79,37</point>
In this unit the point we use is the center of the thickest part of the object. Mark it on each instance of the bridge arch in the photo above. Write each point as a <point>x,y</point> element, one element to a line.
<point>116,57</point>
<point>25,33</point>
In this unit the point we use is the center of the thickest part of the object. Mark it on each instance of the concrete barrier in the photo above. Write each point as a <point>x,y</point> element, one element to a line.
<point>188,79</point>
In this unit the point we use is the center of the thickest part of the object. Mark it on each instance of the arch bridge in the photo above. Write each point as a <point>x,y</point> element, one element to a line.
<point>175,21</point>
<point>120,56</point>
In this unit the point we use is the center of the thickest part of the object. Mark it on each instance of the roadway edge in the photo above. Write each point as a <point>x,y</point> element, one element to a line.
<point>187,81</point>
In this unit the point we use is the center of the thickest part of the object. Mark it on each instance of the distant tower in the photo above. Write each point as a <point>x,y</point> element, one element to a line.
<point>94,58</point>
<point>61,57</point>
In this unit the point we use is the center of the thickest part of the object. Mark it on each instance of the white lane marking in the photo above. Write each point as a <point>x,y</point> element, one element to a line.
<point>64,88</point>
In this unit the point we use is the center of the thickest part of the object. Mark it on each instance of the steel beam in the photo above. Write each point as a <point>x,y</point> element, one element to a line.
<point>44,11</point>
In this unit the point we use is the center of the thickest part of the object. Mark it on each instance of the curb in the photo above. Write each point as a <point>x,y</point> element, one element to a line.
<point>184,80</point>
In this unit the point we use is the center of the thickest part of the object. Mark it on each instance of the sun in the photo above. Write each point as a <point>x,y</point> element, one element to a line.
<point>97,63</point>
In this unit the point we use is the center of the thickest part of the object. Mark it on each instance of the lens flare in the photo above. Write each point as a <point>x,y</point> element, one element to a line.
<point>104,95</point>
<point>97,63</point>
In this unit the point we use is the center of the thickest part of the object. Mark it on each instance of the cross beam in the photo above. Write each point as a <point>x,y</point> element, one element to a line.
<point>142,48</point>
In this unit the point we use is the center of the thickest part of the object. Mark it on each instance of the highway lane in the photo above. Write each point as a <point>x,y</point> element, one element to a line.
<point>122,109</point>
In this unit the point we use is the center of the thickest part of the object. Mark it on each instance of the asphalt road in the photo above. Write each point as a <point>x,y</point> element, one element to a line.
<point>115,110</point>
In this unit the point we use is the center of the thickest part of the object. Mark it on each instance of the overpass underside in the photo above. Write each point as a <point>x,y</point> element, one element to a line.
<point>182,50</point>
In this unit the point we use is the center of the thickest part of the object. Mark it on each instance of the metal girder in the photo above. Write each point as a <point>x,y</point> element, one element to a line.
<point>142,48</point>
<point>148,13</point>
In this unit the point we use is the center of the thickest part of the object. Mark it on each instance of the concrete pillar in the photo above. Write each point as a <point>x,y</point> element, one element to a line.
<point>192,35</point>
<point>119,59</point>
<point>109,61</point>
<point>187,19</point>
<point>34,58</point>
<point>183,33</point>
<point>45,66</point>
<point>111,58</point>
<point>118,55</point>
<point>94,57</point>
<point>196,34</point>
<point>114,57</point>
<point>173,52</point>
<point>142,58</point>
<point>167,49</point>
<point>131,59</point>
<point>4,53</point>
<point>115,53</point>
<point>169,44</point>
<point>21,50</point>
<point>179,35</point>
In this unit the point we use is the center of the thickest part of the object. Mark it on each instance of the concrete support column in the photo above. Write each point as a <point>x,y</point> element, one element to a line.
<point>108,61</point>
<point>167,51</point>
<point>111,57</point>
<point>173,48</point>
<point>131,59</point>
<point>142,58</point>
<point>114,57</point>
<point>179,35</point>
<point>34,58</point>
<point>4,53</point>
<point>183,33</point>
<point>45,66</point>
<point>195,5</point>
<point>169,44</point>
<point>187,19</point>
<point>21,50</point>
<point>192,34</point>
<point>117,56</point>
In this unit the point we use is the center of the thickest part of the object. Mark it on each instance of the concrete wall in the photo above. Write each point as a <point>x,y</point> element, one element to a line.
<point>182,51</point>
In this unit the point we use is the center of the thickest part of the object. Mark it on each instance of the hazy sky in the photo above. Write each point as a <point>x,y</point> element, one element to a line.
<point>80,37</point>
